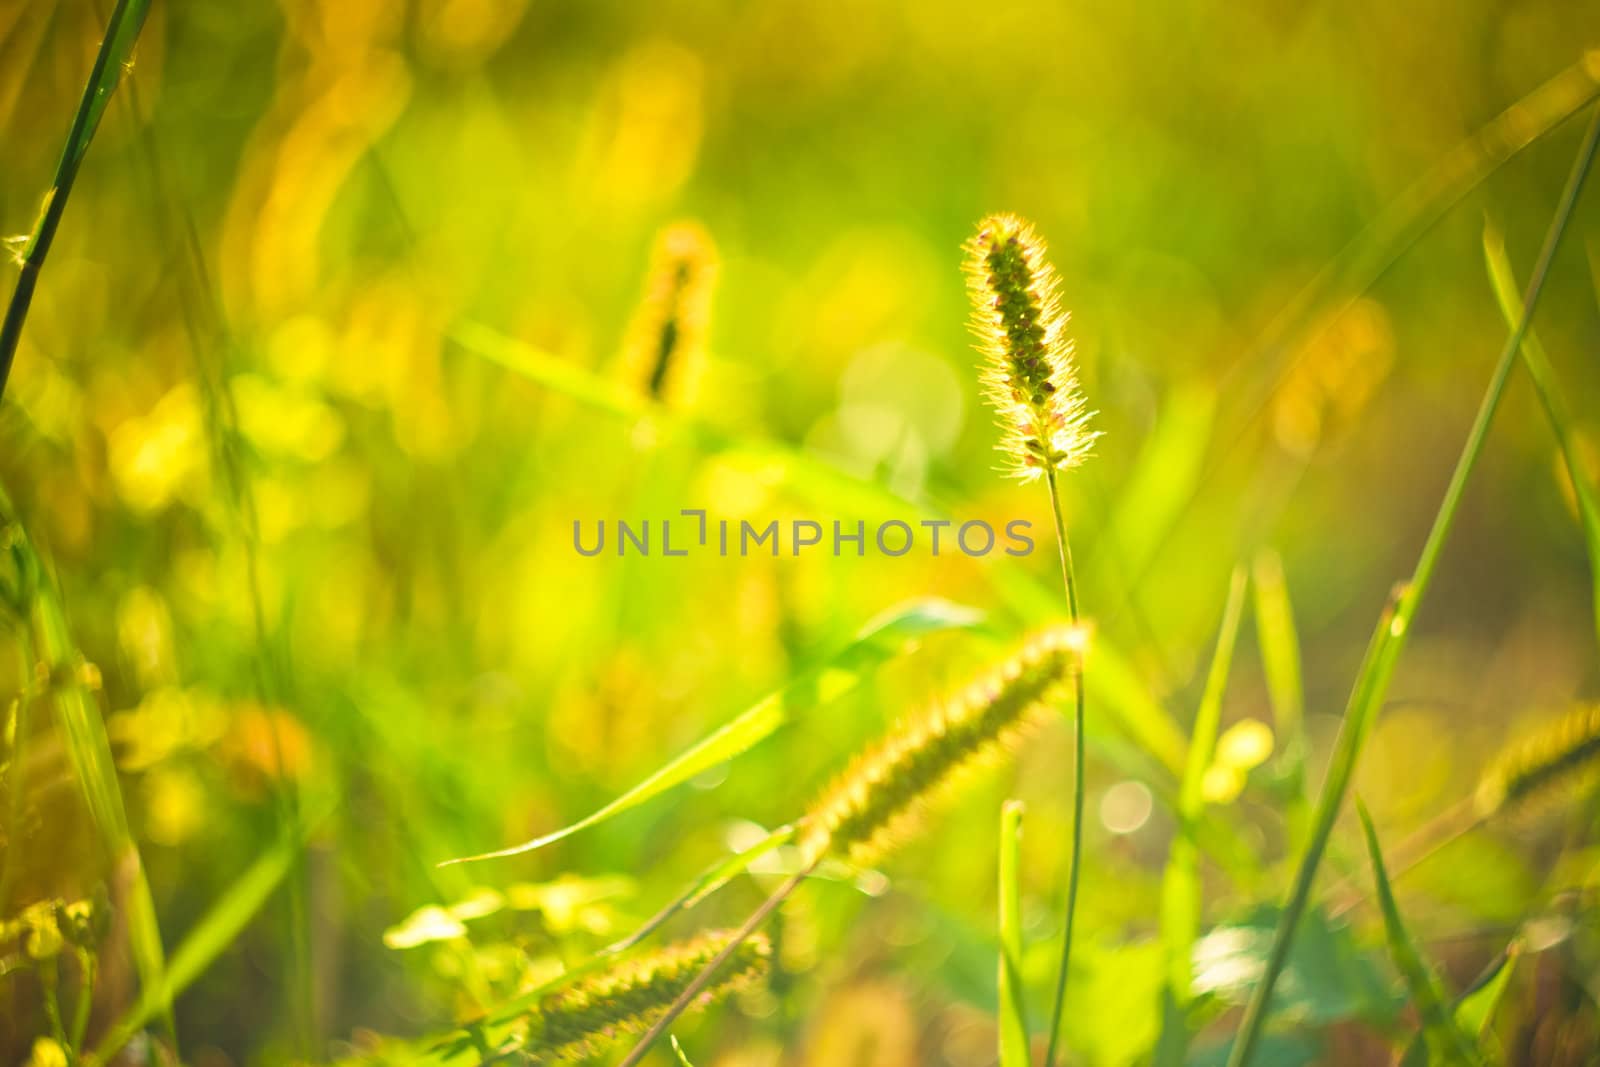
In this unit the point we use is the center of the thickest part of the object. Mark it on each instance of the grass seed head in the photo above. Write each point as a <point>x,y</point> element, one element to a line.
<point>1562,753</point>
<point>665,354</point>
<point>574,1023</point>
<point>880,799</point>
<point>1028,372</point>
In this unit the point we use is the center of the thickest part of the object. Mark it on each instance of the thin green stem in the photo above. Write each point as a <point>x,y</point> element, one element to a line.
<point>1064,550</point>
<point>1389,640</point>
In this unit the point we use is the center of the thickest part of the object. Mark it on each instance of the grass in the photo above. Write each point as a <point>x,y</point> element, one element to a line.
<point>1389,639</point>
<point>305,419</point>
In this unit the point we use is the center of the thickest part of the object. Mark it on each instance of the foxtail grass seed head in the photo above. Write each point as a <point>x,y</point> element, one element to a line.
<point>578,1021</point>
<point>879,800</point>
<point>1559,754</point>
<point>665,354</point>
<point>1028,372</point>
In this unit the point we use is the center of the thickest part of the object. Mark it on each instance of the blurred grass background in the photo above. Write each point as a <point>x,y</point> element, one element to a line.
<point>448,676</point>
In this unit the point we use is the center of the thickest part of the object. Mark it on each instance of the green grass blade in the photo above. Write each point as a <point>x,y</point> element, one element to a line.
<point>1180,882</point>
<point>1013,1010</point>
<point>1426,994</point>
<point>211,936</point>
<point>89,750</point>
<point>884,639</point>
<point>677,1051</point>
<point>1543,375</point>
<point>1161,483</point>
<point>116,48</point>
<point>1362,262</point>
<point>1388,641</point>
<point>1280,661</point>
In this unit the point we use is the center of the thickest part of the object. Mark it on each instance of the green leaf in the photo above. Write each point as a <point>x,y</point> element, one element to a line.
<point>1543,375</point>
<point>1327,977</point>
<point>677,1050</point>
<point>1443,1036</point>
<point>1280,661</point>
<point>1013,1011</point>
<point>883,639</point>
<point>1180,882</point>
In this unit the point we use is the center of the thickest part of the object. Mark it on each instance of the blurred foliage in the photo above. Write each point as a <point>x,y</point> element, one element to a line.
<point>240,388</point>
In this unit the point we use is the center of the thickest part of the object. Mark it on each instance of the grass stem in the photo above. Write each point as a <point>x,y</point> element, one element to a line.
<point>1064,550</point>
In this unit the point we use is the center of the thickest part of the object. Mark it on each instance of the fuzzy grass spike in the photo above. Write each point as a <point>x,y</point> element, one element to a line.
<point>1028,371</point>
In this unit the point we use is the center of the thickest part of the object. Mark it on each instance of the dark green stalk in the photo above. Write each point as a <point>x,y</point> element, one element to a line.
<point>1064,550</point>
<point>1372,684</point>
<point>121,32</point>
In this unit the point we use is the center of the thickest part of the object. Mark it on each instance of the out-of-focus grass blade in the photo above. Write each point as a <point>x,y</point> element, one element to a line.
<point>1439,1027</point>
<point>677,1050</point>
<point>1359,265</point>
<point>211,936</point>
<point>116,48</point>
<point>89,749</point>
<point>549,371</point>
<point>1476,1008</point>
<point>1160,486</point>
<point>1180,882</point>
<point>1280,661</point>
<point>1013,1011</point>
<point>1550,398</point>
<point>883,639</point>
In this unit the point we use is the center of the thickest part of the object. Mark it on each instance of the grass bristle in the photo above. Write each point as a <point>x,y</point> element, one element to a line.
<point>879,800</point>
<point>1562,753</point>
<point>1028,370</point>
<point>576,1022</point>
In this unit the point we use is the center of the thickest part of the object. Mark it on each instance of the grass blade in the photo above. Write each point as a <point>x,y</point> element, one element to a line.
<point>211,936</point>
<point>122,31</point>
<point>1388,641</point>
<point>1013,1010</point>
<point>1555,408</point>
<point>889,636</point>
<point>1280,661</point>
<point>1180,882</point>
<point>89,750</point>
<point>1440,1029</point>
<point>1476,1007</point>
<point>1362,262</point>
<point>1161,483</point>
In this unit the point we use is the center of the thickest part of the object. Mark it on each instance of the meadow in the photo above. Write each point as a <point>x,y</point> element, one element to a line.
<point>765,535</point>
